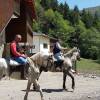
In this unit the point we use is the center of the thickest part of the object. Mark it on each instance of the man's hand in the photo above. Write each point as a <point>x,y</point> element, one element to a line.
<point>24,56</point>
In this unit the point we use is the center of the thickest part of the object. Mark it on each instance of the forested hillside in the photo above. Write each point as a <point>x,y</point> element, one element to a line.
<point>73,27</point>
<point>94,10</point>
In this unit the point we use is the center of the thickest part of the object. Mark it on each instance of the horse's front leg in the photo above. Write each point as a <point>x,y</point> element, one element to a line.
<point>64,80</point>
<point>38,88</point>
<point>34,86</point>
<point>73,80</point>
<point>27,90</point>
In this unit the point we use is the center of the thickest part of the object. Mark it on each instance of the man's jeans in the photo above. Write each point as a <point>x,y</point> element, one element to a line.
<point>58,56</point>
<point>21,60</point>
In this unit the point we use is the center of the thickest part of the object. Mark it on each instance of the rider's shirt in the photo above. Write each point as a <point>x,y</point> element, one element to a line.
<point>15,49</point>
<point>57,48</point>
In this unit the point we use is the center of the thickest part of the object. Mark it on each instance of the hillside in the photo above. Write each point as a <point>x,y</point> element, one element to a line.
<point>94,9</point>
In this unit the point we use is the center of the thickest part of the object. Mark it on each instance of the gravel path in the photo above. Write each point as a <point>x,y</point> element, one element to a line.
<point>87,88</point>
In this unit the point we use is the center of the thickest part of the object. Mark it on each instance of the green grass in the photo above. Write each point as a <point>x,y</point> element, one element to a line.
<point>88,66</point>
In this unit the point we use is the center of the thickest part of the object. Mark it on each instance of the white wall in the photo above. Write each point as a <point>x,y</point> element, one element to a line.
<point>2,41</point>
<point>46,41</point>
<point>36,44</point>
<point>1,50</point>
<point>38,41</point>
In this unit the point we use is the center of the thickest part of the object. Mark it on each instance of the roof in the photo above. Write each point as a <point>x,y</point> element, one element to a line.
<point>31,5</point>
<point>40,34</point>
<point>44,35</point>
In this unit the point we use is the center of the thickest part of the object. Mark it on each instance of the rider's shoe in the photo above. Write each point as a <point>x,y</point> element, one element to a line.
<point>73,71</point>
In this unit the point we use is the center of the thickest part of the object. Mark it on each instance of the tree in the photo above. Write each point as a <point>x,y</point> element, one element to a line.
<point>44,4</point>
<point>96,22</point>
<point>87,18</point>
<point>60,8</point>
<point>75,16</point>
<point>66,11</point>
<point>54,5</point>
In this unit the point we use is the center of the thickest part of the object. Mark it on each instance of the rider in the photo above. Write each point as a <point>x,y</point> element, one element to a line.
<point>16,53</point>
<point>57,52</point>
<point>15,50</point>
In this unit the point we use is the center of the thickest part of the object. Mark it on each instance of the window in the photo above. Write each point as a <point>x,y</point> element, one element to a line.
<point>45,45</point>
<point>33,46</point>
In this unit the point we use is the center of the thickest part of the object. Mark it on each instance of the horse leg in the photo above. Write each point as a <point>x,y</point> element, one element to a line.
<point>72,77</point>
<point>22,70</point>
<point>27,90</point>
<point>75,67</point>
<point>34,86</point>
<point>64,79</point>
<point>9,71</point>
<point>38,88</point>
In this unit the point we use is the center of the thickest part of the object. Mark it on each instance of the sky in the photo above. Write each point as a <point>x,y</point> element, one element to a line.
<point>81,3</point>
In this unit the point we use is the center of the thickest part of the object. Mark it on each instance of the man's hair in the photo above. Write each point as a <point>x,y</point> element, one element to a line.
<point>18,35</point>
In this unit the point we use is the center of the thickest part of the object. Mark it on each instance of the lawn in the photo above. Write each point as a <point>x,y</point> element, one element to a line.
<point>88,66</point>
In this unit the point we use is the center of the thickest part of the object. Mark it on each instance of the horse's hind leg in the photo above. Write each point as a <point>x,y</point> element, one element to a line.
<point>73,80</point>
<point>64,80</point>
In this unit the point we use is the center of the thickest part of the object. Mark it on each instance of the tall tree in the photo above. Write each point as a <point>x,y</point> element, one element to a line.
<point>66,11</point>
<point>87,18</point>
<point>96,22</point>
<point>74,16</point>
<point>44,4</point>
<point>60,8</point>
<point>54,5</point>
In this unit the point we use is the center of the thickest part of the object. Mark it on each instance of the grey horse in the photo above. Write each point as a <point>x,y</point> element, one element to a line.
<point>67,65</point>
<point>36,61</point>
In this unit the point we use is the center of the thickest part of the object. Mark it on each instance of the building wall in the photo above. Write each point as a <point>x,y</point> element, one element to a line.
<point>15,26</point>
<point>36,45</point>
<point>44,40</point>
<point>1,50</point>
<point>6,11</point>
<point>38,42</point>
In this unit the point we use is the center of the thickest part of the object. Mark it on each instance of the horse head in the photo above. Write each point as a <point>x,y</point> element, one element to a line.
<point>76,53</point>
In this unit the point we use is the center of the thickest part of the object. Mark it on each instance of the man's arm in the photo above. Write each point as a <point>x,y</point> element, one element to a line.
<point>60,47</point>
<point>14,51</point>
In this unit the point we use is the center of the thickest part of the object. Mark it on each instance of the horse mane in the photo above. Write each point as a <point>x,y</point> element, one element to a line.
<point>70,52</point>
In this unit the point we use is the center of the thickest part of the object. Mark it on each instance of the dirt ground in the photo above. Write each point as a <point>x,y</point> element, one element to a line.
<point>87,88</point>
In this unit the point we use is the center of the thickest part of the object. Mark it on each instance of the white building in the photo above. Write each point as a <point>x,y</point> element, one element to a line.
<point>41,42</point>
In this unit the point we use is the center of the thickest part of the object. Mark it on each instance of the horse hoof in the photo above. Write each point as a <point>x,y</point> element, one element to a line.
<point>64,88</point>
<point>73,88</point>
<point>42,98</point>
<point>25,97</point>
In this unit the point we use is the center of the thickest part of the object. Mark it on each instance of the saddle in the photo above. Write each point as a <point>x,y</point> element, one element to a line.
<point>12,62</point>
